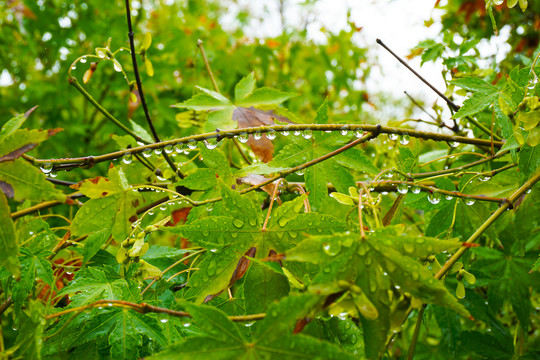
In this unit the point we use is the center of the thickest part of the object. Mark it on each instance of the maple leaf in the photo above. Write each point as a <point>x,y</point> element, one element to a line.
<point>225,113</point>
<point>272,338</point>
<point>368,269</point>
<point>230,237</point>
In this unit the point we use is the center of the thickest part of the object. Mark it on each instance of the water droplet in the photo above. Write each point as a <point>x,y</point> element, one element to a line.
<point>73,67</point>
<point>449,197</point>
<point>192,144</point>
<point>300,172</point>
<point>187,324</point>
<point>484,178</point>
<point>257,136</point>
<point>127,158</point>
<point>347,242</point>
<point>238,223</point>
<point>243,138</point>
<point>213,251</point>
<point>151,212</point>
<point>404,140</point>
<point>271,135</point>
<point>416,190</point>
<point>210,144</point>
<point>101,53</point>
<point>408,247</point>
<point>147,153</point>
<point>53,174</point>
<point>434,198</point>
<point>163,207</point>
<point>453,144</point>
<point>363,248</point>
<point>285,133</point>
<point>248,324</point>
<point>393,137</point>
<point>469,202</point>
<point>158,151</point>
<point>117,66</point>
<point>332,249</point>
<point>179,148</point>
<point>528,191</point>
<point>344,130</point>
<point>296,132</point>
<point>358,134</point>
<point>306,134</point>
<point>46,168</point>
<point>168,149</point>
<point>403,188</point>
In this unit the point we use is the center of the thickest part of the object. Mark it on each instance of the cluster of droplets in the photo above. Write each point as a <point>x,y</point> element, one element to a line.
<point>403,139</point>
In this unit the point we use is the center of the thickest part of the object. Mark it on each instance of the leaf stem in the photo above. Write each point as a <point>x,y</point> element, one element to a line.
<point>141,93</point>
<point>448,101</point>
<point>414,340</point>
<point>89,161</point>
<point>73,81</point>
<point>207,64</point>
<point>441,95</point>
<point>144,308</point>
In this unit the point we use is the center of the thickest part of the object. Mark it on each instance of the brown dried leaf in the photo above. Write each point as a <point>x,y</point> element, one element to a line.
<point>18,152</point>
<point>251,117</point>
<point>242,266</point>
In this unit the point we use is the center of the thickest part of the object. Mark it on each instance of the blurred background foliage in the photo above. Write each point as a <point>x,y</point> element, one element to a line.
<point>39,40</point>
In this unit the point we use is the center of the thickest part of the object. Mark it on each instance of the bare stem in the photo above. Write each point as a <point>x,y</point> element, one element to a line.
<point>141,92</point>
<point>207,64</point>
<point>144,308</point>
<point>73,81</point>
<point>89,161</point>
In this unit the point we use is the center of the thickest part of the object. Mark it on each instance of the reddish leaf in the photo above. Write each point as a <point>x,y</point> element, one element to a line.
<point>242,266</point>
<point>18,152</point>
<point>300,324</point>
<point>251,117</point>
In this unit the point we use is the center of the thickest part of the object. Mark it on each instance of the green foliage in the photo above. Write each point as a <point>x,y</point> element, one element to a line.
<point>297,225</point>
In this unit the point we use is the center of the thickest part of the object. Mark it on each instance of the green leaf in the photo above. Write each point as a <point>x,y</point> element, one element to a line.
<point>92,284</point>
<point>24,182</point>
<point>214,94</point>
<point>13,124</point>
<point>112,206</point>
<point>478,102</point>
<point>265,96</point>
<point>244,87</point>
<point>8,241</point>
<point>19,142</point>
<point>147,41</point>
<point>201,179</point>
<point>94,242</point>
<point>356,160</point>
<point>213,322</point>
<point>202,102</point>
<point>474,84</point>
<point>139,130</point>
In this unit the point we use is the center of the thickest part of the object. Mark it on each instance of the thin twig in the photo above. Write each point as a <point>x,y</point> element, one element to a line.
<point>141,92</point>
<point>73,81</point>
<point>424,110</point>
<point>144,308</point>
<point>207,64</point>
<point>448,101</point>
<point>68,163</point>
